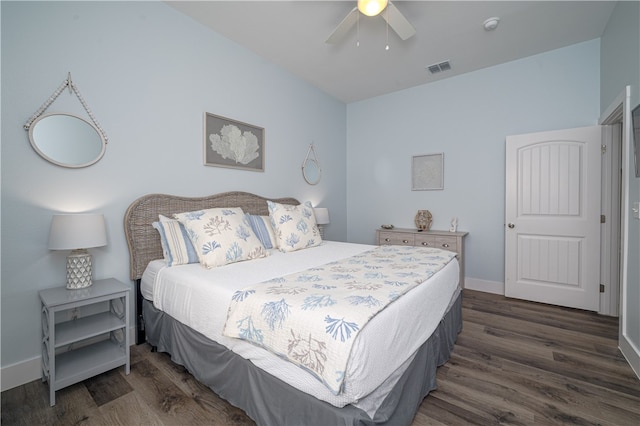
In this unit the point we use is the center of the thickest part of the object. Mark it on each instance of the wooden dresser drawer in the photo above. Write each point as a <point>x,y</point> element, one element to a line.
<point>397,239</point>
<point>446,243</point>
<point>424,240</point>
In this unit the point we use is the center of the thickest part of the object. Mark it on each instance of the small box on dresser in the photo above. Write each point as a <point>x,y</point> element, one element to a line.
<point>86,354</point>
<point>452,241</point>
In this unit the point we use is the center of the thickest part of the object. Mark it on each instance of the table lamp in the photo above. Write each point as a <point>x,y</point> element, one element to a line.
<point>78,232</point>
<point>322,218</point>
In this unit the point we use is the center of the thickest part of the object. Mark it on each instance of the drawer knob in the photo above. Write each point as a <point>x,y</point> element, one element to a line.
<point>445,245</point>
<point>387,239</point>
<point>424,243</point>
<point>405,241</point>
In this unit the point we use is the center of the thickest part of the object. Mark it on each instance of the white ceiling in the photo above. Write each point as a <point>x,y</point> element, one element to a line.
<point>292,35</point>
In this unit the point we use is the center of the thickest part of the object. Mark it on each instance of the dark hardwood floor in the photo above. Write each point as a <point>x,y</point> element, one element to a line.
<point>515,362</point>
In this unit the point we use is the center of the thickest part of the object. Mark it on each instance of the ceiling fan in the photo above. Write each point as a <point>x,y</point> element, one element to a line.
<point>392,15</point>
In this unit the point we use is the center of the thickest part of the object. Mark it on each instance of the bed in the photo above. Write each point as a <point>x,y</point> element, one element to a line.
<point>383,384</point>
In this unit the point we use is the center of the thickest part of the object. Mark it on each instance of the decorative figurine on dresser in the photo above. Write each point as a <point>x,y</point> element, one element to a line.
<point>454,225</point>
<point>425,237</point>
<point>423,220</point>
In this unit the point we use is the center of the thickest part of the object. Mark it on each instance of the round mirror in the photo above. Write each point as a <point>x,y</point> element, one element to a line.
<point>67,140</point>
<point>311,171</point>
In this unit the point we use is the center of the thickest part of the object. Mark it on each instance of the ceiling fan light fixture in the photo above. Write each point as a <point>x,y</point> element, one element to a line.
<point>372,7</point>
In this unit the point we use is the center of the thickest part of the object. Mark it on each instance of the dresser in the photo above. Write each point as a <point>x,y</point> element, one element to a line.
<point>452,241</point>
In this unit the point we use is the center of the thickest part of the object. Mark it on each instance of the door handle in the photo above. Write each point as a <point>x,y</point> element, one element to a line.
<point>511,226</point>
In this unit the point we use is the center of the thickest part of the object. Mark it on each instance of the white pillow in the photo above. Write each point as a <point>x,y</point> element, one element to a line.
<point>295,227</point>
<point>221,236</point>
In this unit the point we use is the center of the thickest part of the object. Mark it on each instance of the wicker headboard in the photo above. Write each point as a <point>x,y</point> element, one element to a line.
<point>144,241</point>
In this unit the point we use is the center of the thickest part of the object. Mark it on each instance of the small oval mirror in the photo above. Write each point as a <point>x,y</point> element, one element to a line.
<point>311,171</point>
<point>66,140</point>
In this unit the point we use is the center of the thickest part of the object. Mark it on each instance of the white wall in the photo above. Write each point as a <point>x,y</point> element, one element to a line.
<point>467,118</point>
<point>148,73</point>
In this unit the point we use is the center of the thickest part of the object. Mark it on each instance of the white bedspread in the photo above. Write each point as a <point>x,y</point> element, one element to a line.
<point>189,295</point>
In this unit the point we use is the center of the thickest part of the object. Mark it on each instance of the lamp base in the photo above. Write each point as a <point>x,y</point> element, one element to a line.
<point>79,269</point>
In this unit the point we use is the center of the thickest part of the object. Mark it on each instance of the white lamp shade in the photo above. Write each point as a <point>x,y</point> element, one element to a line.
<point>77,231</point>
<point>322,215</point>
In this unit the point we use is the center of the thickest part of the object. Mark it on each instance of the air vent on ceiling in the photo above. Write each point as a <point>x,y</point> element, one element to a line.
<point>441,66</point>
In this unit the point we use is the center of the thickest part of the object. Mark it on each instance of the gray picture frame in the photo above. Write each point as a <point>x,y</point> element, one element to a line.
<point>427,172</point>
<point>233,144</point>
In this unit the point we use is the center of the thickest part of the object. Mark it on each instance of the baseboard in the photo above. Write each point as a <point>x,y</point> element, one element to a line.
<point>631,353</point>
<point>494,287</point>
<point>20,373</point>
<point>29,370</point>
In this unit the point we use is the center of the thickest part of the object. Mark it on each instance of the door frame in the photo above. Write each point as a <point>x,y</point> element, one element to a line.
<point>620,111</point>
<point>610,230</point>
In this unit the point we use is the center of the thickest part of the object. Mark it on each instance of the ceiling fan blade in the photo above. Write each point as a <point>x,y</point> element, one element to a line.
<point>398,22</point>
<point>343,28</point>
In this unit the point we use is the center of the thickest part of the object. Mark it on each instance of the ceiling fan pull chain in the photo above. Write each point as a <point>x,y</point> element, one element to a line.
<point>358,30</point>
<point>387,12</point>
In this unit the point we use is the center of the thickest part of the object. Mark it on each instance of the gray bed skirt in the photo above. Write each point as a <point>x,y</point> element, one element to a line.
<point>270,401</point>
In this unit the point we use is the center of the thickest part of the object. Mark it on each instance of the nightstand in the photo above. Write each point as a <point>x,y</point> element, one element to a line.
<point>76,347</point>
<point>452,241</point>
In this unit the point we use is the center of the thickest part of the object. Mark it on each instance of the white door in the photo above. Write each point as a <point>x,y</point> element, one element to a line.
<point>552,234</point>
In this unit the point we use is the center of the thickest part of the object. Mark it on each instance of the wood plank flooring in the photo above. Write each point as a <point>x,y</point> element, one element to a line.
<point>515,362</point>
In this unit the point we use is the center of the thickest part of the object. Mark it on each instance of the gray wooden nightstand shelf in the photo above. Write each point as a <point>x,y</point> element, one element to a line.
<point>102,339</point>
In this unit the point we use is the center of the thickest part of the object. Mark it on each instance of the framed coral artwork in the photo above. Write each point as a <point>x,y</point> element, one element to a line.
<point>234,144</point>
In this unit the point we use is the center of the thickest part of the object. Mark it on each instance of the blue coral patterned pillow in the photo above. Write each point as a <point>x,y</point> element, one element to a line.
<point>221,236</point>
<point>294,227</point>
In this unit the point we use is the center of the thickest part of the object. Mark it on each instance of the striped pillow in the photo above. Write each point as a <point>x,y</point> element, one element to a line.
<point>176,245</point>
<point>261,226</point>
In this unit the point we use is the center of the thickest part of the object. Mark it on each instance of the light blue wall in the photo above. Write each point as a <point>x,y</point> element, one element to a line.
<point>148,73</point>
<point>467,118</point>
<point>620,54</point>
<point>620,67</point>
